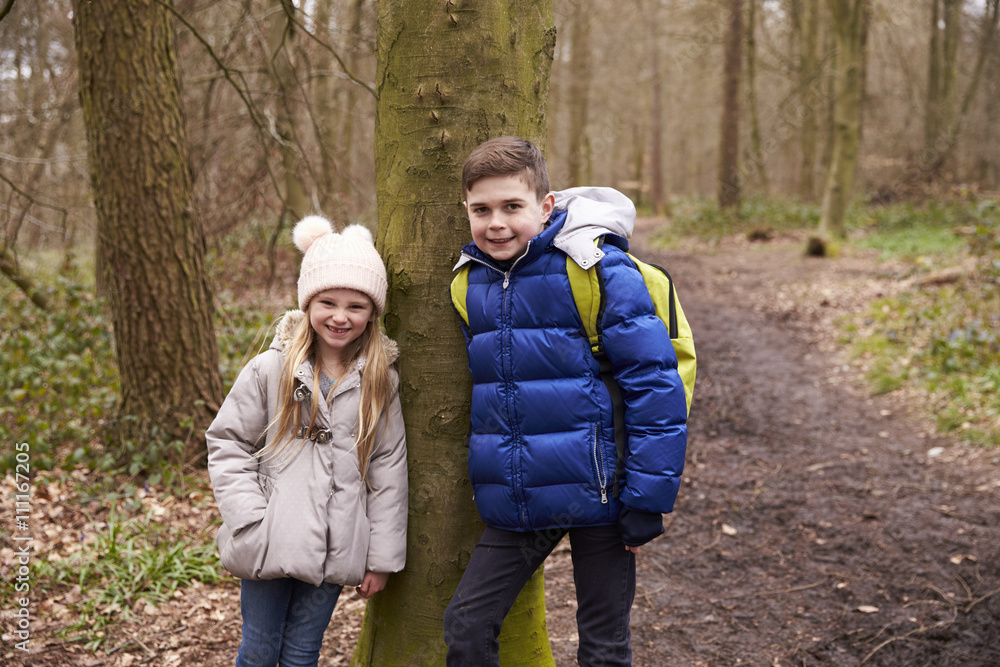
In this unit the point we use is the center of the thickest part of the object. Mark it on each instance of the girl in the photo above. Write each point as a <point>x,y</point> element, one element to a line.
<point>307,455</point>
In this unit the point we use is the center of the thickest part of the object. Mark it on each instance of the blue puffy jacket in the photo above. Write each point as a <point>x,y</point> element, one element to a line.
<point>542,449</point>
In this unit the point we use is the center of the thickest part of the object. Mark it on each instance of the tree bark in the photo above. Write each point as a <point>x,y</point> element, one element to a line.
<point>811,95</point>
<point>280,33</point>
<point>148,235</point>
<point>850,25</point>
<point>579,91</point>
<point>658,199</point>
<point>942,69</point>
<point>447,80</point>
<point>946,143</point>
<point>756,143</point>
<point>729,136</point>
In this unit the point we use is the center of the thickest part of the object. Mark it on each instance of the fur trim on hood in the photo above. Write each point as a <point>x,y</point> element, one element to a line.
<point>291,319</point>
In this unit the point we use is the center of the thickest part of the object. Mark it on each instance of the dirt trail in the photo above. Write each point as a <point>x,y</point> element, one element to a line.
<point>816,526</point>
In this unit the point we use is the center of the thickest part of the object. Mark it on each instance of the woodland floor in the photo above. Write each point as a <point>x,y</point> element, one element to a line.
<point>816,526</point>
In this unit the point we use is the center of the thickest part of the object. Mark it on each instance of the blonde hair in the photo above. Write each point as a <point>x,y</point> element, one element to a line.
<point>376,390</point>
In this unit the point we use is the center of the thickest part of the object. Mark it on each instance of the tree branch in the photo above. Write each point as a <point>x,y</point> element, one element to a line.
<point>8,266</point>
<point>340,61</point>
<point>262,127</point>
<point>7,6</point>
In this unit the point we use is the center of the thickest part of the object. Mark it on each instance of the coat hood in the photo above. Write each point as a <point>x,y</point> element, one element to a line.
<point>590,213</point>
<point>290,320</point>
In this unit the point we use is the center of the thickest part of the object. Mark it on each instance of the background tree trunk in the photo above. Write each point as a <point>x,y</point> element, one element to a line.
<point>729,136</point>
<point>151,240</point>
<point>447,80</point>
<point>280,33</point>
<point>756,143</point>
<point>658,199</point>
<point>810,95</point>
<point>949,134</point>
<point>942,69</point>
<point>579,92</point>
<point>850,26</point>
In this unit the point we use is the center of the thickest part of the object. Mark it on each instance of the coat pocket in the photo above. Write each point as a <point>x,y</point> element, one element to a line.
<point>244,550</point>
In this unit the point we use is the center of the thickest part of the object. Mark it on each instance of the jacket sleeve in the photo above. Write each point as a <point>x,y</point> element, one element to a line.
<point>645,367</point>
<point>232,438</point>
<point>387,495</point>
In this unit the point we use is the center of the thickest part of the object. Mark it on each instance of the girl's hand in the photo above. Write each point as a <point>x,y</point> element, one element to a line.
<point>372,584</point>
<point>634,550</point>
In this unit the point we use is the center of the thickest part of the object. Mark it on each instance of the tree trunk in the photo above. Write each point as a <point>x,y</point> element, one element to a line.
<point>447,80</point>
<point>942,69</point>
<point>658,199</point>
<point>945,144</point>
<point>148,235</point>
<point>280,33</point>
<point>850,25</point>
<point>579,91</point>
<point>729,136</point>
<point>756,147</point>
<point>327,117</point>
<point>811,95</point>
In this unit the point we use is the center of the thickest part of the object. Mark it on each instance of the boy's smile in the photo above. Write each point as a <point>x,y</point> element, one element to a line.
<point>505,214</point>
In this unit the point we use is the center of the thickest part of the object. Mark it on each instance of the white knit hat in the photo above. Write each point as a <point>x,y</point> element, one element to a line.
<point>332,261</point>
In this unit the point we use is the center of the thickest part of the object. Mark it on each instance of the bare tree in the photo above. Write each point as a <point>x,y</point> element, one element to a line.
<point>945,144</point>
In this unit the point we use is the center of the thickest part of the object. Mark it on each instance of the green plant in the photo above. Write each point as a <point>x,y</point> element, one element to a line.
<point>132,562</point>
<point>944,339</point>
<point>57,372</point>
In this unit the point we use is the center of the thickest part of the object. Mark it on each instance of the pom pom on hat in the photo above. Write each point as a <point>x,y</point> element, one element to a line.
<point>308,230</point>
<point>332,261</point>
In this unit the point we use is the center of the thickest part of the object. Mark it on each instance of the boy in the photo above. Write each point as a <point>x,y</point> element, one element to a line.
<point>542,455</point>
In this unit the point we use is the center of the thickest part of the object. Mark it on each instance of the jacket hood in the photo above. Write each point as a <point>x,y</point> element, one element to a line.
<point>590,212</point>
<point>290,320</point>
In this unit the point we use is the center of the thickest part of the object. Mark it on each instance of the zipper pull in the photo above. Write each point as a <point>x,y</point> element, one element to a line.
<point>506,279</point>
<point>604,495</point>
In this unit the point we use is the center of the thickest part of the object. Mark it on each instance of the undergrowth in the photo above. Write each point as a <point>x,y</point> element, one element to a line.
<point>130,562</point>
<point>944,338</point>
<point>59,380</point>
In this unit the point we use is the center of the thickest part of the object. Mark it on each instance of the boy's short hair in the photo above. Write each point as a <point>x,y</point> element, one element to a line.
<point>507,156</point>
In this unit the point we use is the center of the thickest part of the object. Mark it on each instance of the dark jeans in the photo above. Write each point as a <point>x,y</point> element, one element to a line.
<point>284,621</point>
<point>503,562</point>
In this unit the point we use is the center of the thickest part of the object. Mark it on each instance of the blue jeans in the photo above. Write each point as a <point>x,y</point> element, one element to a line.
<point>503,562</point>
<point>284,621</point>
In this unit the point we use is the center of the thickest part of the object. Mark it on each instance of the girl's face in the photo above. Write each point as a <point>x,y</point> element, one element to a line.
<point>339,316</point>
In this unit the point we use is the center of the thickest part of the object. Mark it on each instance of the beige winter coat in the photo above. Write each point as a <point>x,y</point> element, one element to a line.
<point>309,517</point>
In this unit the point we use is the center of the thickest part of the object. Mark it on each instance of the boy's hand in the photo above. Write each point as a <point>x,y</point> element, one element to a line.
<point>634,550</point>
<point>372,584</point>
<point>637,527</point>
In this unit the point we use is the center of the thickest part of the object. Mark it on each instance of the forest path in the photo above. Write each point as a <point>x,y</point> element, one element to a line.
<point>816,525</point>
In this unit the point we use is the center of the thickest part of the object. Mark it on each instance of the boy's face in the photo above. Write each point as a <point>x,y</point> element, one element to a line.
<point>505,214</point>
